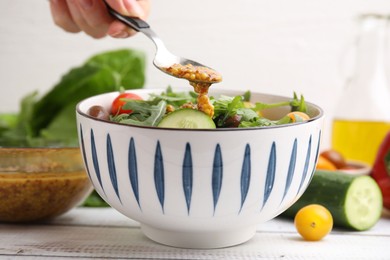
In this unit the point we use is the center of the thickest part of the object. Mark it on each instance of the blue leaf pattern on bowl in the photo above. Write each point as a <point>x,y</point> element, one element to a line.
<point>133,170</point>
<point>305,169</point>
<point>95,160</point>
<point>245,175</point>
<point>318,148</point>
<point>291,169</point>
<point>316,158</point>
<point>270,179</point>
<point>188,167</point>
<point>111,167</point>
<point>159,175</point>
<point>187,176</point>
<point>216,182</point>
<point>83,151</point>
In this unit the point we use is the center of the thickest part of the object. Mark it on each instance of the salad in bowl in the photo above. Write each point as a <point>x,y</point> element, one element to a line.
<point>194,179</point>
<point>184,109</point>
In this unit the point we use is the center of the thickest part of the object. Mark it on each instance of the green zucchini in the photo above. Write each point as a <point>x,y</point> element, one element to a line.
<point>355,202</point>
<point>187,118</point>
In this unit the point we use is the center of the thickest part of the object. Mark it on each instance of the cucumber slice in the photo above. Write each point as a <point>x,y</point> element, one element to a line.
<point>363,203</point>
<point>187,118</point>
<point>355,202</point>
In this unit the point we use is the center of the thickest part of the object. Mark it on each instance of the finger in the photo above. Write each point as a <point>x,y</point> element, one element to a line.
<point>119,30</point>
<point>62,17</point>
<point>78,18</point>
<point>95,14</point>
<point>129,8</point>
<point>145,5</point>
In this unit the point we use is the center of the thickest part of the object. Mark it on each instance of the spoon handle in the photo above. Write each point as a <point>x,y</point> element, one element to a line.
<point>134,22</point>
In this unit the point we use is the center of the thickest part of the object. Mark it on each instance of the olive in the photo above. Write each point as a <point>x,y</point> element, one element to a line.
<point>335,157</point>
<point>232,121</point>
<point>98,112</point>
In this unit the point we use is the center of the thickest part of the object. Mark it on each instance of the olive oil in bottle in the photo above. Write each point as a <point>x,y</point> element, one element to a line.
<point>362,117</point>
<point>359,140</point>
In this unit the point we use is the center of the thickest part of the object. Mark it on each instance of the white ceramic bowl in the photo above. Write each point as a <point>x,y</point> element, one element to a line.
<point>199,188</point>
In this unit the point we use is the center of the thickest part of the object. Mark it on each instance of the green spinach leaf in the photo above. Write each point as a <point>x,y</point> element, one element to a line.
<point>50,119</point>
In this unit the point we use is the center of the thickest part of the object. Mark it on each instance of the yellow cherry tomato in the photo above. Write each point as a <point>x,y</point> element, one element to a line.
<point>325,164</point>
<point>298,116</point>
<point>313,222</point>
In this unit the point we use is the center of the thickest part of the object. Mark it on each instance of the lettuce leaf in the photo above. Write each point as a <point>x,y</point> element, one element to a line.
<point>50,120</point>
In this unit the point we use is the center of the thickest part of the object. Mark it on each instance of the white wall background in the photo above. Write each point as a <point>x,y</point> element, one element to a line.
<point>282,46</point>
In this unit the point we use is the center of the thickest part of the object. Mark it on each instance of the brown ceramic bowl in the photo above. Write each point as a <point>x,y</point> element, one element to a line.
<point>40,183</point>
<point>356,168</point>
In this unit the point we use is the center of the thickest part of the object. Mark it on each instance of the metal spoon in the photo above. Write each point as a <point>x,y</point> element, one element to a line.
<point>163,59</point>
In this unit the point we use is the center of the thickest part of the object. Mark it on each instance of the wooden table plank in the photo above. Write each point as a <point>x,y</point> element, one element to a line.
<point>106,234</point>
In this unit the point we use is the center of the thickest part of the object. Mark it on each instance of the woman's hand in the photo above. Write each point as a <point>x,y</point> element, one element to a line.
<point>92,17</point>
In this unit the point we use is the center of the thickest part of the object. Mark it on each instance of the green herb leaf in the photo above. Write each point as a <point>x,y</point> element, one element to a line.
<point>176,99</point>
<point>225,107</point>
<point>258,122</point>
<point>284,120</point>
<point>247,96</point>
<point>145,113</point>
<point>298,104</point>
<point>247,114</point>
<point>295,104</point>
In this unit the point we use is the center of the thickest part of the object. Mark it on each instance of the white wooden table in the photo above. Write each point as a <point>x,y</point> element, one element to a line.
<point>103,233</point>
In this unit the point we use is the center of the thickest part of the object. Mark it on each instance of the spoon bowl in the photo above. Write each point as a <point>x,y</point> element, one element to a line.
<point>164,59</point>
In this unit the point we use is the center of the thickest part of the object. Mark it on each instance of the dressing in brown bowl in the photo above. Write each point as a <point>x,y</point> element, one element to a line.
<point>40,183</point>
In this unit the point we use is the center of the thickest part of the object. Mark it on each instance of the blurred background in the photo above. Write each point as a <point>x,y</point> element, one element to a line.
<point>274,47</point>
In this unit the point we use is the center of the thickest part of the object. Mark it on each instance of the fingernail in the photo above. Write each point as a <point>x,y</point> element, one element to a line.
<point>120,34</point>
<point>86,4</point>
<point>133,8</point>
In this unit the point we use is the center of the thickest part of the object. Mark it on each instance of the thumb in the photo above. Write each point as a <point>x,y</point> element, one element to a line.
<point>127,7</point>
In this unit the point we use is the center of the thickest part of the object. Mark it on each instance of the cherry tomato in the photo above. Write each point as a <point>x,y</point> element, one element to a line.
<point>298,116</point>
<point>335,157</point>
<point>118,103</point>
<point>313,222</point>
<point>325,164</point>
